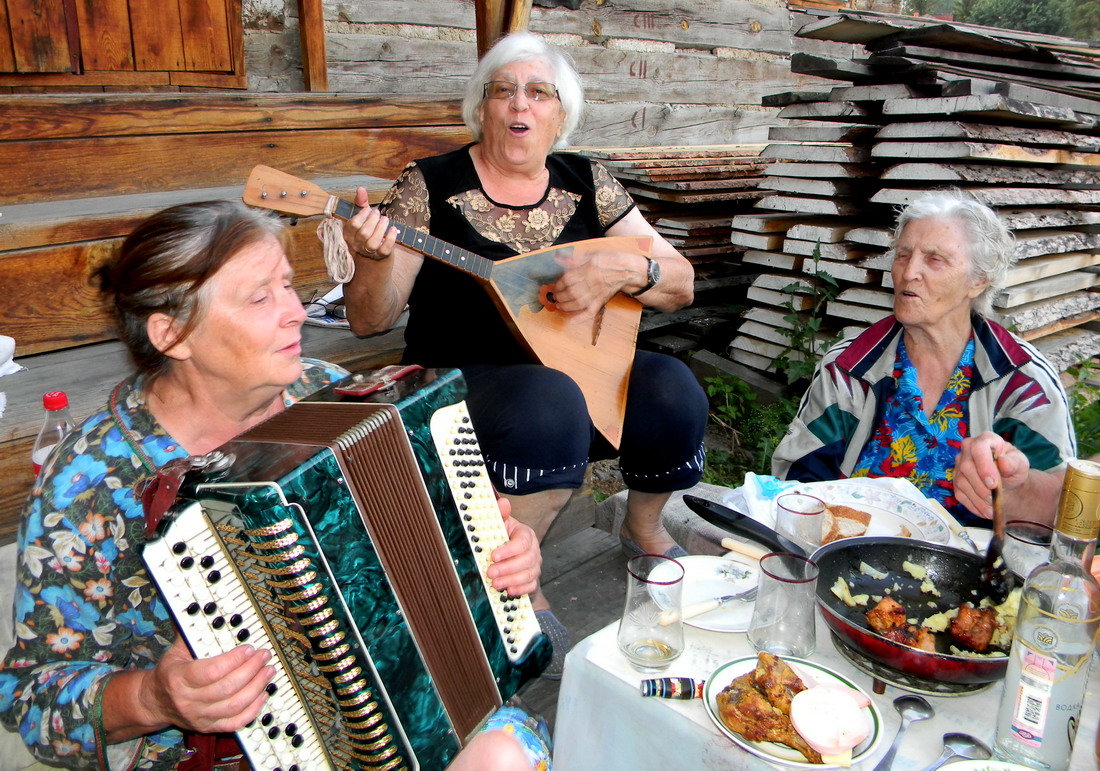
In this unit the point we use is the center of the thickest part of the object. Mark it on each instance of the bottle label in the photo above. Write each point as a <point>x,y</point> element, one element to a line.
<point>1033,697</point>
<point>40,456</point>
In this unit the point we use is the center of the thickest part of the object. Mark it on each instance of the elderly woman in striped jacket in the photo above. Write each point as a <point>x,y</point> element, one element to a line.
<point>899,399</point>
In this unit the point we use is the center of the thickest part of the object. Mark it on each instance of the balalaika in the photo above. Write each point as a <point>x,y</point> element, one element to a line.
<point>351,539</point>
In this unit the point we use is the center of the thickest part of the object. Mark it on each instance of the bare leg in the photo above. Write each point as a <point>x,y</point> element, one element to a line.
<point>643,525</point>
<point>537,511</point>
<point>491,751</point>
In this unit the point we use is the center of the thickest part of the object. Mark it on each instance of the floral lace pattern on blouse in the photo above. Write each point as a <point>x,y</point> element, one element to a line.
<point>521,228</point>
<point>921,448</point>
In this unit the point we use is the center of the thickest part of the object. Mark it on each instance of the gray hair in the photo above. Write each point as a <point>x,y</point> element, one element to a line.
<point>525,47</point>
<point>166,264</point>
<point>990,245</point>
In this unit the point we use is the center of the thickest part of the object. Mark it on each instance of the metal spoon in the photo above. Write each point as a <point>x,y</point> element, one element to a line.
<point>910,708</point>
<point>961,746</point>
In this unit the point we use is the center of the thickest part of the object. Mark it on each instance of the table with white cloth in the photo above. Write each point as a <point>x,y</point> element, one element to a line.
<point>604,723</point>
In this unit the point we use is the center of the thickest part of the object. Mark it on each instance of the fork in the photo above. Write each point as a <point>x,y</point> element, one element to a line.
<point>705,606</point>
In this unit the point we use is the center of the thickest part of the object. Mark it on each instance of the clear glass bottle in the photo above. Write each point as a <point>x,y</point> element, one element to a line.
<point>1056,629</point>
<point>57,423</point>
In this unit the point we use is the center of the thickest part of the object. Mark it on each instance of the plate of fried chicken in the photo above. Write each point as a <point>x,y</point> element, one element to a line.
<point>751,700</point>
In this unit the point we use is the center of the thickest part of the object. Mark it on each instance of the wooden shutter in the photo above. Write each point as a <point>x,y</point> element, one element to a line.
<point>121,42</point>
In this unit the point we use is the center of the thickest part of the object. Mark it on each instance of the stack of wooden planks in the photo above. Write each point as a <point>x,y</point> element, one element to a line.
<point>1010,118</point>
<point>690,196</point>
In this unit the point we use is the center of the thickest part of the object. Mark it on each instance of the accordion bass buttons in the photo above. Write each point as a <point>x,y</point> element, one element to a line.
<point>468,479</point>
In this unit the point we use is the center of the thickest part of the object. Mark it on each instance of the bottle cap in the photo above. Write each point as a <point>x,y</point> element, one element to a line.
<point>55,400</point>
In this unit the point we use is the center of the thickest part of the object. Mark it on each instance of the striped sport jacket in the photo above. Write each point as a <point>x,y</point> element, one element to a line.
<point>1015,393</point>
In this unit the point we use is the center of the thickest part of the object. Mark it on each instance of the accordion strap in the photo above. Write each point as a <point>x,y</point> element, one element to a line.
<point>212,752</point>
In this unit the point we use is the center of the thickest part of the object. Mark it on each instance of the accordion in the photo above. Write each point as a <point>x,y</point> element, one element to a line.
<point>351,539</point>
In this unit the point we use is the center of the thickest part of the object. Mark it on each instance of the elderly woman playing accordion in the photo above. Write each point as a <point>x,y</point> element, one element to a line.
<point>98,676</point>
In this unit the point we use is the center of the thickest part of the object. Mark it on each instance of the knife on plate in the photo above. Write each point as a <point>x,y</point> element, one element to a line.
<point>734,521</point>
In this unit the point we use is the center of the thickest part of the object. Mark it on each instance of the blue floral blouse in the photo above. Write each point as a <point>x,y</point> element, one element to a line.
<point>907,443</point>
<point>85,607</point>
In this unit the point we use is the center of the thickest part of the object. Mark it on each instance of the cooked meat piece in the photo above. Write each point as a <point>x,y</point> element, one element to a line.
<point>777,681</point>
<point>887,615</point>
<point>974,628</point>
<point>745,710</point>
<point>925,639</point>
<point>902,634</point>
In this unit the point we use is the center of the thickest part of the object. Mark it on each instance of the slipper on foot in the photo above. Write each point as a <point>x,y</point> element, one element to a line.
<point>560,640</point>
<point>632,549</point>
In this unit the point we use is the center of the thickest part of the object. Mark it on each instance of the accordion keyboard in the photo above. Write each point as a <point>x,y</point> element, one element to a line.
<point>215,614</point>
<point>473,493</point>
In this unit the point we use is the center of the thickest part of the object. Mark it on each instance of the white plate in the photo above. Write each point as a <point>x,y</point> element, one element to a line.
<point>707,577</point>
<point>781,753</point>
<point>889,511</point>
<point>985,765</point>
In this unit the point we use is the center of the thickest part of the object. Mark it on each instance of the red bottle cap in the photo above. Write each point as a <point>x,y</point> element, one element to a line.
<point>55,400</point>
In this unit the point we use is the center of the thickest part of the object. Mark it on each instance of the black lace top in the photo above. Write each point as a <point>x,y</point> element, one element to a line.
<point>452,319</point>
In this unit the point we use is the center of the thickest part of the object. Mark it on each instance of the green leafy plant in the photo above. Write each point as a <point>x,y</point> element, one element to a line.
<point>743,430</point>
<point>1085,406</point>
<point>806,342</point>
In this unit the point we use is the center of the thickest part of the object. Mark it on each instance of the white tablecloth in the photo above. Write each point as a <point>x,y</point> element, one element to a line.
<point>603,723</point>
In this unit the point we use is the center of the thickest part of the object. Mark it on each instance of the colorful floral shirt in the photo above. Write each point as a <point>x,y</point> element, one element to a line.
<point>85,607</point>
<point>908,443</point>
<point>1014,392</point>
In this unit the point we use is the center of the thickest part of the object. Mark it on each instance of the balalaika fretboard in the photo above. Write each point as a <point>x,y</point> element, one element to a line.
<point>352,539</point>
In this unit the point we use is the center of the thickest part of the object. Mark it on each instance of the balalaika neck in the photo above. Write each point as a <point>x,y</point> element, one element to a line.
<point>429,246</point>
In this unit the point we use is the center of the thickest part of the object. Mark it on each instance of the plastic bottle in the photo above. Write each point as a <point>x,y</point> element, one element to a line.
<point>1057,626</point>
<point>57,423</point>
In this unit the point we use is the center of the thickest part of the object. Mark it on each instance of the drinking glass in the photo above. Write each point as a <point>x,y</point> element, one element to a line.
<point>801,518</point>
<point>783,619</point>
<point>1026,546</point>
<point>651,631</point>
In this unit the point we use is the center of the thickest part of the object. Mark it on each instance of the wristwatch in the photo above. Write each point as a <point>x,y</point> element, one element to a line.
<point>652,276</point>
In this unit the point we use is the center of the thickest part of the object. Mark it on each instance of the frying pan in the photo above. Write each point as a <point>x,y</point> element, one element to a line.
<point>955,574</point>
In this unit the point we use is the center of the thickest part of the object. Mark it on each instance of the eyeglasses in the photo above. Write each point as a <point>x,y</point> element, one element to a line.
<point>506,89</point>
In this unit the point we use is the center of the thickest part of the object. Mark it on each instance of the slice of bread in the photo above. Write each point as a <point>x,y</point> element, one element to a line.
<point>843,522</point>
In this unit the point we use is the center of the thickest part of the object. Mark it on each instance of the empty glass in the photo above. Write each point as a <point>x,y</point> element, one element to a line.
<point>783,619</point>
<point>651,631</point>
<point>1026,546</point>
<point>801,518</point>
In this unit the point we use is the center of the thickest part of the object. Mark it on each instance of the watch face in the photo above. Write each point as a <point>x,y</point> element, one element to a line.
<point>654,272</point>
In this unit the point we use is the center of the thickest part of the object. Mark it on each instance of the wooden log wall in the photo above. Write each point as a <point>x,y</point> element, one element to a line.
<point>656,72</point>
<point>82,170</point>
<point>1011,118</point>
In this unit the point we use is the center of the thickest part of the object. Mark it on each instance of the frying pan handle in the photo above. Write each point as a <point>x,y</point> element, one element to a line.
<point>736,522</point>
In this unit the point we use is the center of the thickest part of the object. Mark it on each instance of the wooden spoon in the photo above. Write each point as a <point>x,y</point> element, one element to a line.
<point>996,580</point>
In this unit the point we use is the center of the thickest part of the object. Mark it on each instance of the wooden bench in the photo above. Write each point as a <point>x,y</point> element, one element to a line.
<point>82,170</point>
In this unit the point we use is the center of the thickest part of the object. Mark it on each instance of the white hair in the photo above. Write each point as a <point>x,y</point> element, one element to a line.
<point>990,245</point>
<point>525,47</point>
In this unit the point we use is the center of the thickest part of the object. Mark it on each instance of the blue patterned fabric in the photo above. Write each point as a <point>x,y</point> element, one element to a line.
<point>85,607</point>
<point>530,731</point>
<point>910,444</point>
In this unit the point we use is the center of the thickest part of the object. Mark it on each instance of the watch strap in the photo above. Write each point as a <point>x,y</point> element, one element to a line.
<point>653,275</point>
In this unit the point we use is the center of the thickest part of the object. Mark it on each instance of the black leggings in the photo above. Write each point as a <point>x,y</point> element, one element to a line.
<point>535,433</point>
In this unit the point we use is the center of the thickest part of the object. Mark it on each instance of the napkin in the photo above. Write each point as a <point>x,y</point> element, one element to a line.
<point>757,498</point>
<point>7,365</point>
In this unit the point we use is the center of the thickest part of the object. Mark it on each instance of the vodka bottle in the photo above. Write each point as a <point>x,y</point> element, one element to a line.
<point>1059,618</point>
<point>55,426</point>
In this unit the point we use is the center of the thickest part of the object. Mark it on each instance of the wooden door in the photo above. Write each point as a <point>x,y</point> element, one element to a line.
<point>103,42</point>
